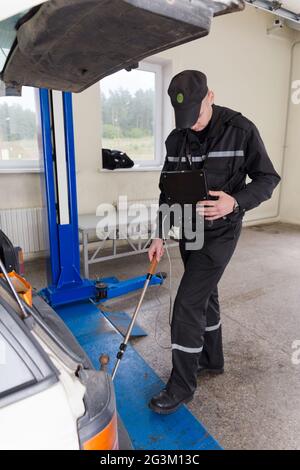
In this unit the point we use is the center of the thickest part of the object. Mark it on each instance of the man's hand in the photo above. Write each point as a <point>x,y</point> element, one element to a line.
<point>216,209</point>
<point>156,249</point>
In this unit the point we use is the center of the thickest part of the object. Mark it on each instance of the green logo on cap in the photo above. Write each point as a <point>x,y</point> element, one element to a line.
<point>180,98</point>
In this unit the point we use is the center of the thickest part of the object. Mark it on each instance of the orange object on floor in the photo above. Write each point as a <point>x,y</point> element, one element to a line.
<point>22,287</point>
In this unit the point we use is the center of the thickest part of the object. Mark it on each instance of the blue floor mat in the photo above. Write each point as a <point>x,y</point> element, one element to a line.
<point>121,321</point>
<point>135,383</point>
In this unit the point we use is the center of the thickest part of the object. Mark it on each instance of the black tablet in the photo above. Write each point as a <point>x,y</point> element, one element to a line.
<point>185,186</point>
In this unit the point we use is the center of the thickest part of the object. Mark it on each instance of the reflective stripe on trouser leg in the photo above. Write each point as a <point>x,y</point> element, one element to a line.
<point>186,349</point>
<point>203,270</point>
<point>213,327</point>
<point>212,355</point>
<point>188,329</point>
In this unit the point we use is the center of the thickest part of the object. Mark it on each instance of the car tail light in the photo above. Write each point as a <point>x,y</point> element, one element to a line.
<point>107,439</point>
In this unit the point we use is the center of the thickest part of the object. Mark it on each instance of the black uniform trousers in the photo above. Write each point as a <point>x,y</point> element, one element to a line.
<point>196,333</point>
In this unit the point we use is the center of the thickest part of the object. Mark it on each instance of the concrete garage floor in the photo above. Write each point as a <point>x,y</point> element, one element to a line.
<point>256,403</point>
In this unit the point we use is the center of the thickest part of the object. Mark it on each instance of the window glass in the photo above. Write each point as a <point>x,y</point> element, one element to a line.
<point>128,113</point>
<point>18,128</point>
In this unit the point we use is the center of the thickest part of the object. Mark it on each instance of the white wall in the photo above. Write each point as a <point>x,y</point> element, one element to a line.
<point>290,197</point>
<point>19,190</point>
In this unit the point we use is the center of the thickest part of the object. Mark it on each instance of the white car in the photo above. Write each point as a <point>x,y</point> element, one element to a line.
<point>51,397</point>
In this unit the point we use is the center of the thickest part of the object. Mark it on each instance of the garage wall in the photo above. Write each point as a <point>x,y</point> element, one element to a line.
<point>289,207</point>
<point>247,69</point>
<point>19,190</point>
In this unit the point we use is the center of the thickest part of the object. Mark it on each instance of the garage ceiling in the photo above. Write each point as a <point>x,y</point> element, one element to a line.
<point>289,9</point>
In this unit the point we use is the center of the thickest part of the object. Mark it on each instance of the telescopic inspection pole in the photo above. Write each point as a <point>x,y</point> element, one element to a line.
<point>123,345</point>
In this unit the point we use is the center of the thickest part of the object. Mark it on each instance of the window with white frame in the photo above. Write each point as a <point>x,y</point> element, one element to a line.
<point>132,108</point>
<point>19,143</point>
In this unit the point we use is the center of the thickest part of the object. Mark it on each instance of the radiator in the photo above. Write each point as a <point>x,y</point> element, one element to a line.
<point>25,228</point>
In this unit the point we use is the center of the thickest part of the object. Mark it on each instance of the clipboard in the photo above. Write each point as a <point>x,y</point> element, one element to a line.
<point>184,186</point>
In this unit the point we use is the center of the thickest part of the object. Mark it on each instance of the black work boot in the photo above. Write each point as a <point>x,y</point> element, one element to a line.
<point>166,402</point>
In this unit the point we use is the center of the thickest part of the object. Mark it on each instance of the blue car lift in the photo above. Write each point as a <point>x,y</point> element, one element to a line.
<point>78,301</point>
<point>66,284</point>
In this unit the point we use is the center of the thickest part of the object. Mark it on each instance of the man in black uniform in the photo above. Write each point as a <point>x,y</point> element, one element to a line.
<point>229,147</point>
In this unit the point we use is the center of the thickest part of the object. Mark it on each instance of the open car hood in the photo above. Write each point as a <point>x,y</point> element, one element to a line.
<point>71,44</point>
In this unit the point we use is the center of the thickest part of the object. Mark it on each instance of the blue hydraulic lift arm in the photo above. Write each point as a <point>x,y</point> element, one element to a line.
<point>49,186</point>
<point>71,173</point>
<point>65,283</point>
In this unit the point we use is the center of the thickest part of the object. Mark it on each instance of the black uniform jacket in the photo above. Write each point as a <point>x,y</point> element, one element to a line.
<point>231,150</point>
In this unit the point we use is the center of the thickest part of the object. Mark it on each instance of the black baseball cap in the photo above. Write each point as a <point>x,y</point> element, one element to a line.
<point>187,90</point>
